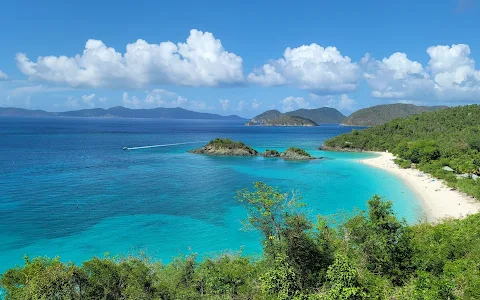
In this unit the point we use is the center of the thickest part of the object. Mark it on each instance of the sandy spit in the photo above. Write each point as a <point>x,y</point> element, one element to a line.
<point>438,200</point>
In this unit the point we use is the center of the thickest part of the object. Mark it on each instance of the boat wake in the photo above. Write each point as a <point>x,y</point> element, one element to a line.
<point>163,145</point>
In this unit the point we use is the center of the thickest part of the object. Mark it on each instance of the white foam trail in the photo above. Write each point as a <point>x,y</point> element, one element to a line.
<point>163,145</point>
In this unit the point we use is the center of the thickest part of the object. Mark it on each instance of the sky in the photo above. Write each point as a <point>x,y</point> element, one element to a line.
<point>238,57</point>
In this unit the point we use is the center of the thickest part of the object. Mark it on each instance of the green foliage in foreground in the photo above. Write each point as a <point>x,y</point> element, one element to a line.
<point>372,255</point>
<point>432,141</point>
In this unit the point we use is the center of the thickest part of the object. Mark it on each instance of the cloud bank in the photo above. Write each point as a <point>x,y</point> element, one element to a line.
<point>200,61</point>
<point>449,75</point>
<point>314,68</point>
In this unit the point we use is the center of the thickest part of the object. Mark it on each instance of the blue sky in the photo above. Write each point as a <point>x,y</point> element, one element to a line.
<point>238,57</point>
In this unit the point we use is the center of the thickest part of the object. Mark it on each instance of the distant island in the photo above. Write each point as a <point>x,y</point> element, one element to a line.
<point>276,118</point>
<point>322,115</point>
<point>381,114</point>
<point>119,112</point>
<point>227,147</point>
<point>300,117</point>
<point>371,116</point>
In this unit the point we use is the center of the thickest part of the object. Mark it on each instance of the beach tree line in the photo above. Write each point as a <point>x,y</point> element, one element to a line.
<point>371,254</point>
<point>444,143</point>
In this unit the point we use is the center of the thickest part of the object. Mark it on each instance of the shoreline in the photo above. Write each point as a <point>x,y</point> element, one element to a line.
<point>438,200</point>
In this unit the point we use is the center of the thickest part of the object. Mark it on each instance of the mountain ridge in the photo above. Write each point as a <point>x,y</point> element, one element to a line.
<point>322,115</point>
<point>383,113</point>
<point>299,117</point>
<point>119,112</point>
<point>275,118</point>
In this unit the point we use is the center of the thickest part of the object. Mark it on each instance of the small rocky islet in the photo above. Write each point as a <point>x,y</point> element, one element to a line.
<point>227,147</point>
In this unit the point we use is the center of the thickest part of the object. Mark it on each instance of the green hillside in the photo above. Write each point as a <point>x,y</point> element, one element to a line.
<point>381,114</point>
<point>276,118</point>
<point>432,141</point>
<point>323,115</point>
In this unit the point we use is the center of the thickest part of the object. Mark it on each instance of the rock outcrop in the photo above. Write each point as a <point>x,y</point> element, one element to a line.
<point>271,153</point>
<point>296,154</point>
<point>225,147</point>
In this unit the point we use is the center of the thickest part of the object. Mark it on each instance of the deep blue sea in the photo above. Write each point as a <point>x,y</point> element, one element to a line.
<point>69,190</point>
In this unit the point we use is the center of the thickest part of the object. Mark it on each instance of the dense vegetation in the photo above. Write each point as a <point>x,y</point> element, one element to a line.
<point>267,115</point>
<point>433,142</point>
<point>380,114</point>
<point>371,255</point>
<point>322,115</point>
<point>299,117</point>
<point>298,151</point>
<point>285,120</point>
<point>276,118</point>
<point>227,143</point>
<point>220,146</point>
<point>271,153</point>
<point>227,147</point>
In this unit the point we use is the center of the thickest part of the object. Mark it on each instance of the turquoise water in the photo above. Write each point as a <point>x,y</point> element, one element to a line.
<point>69,190</point>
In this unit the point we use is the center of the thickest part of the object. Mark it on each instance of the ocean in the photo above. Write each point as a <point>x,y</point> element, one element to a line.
<point>69,190</point>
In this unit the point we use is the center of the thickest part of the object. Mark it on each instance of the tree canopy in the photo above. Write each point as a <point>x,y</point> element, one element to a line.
<point>432,141</point>
<point>372,255</point>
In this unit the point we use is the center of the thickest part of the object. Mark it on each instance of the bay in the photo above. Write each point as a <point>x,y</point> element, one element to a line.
<point>69,190</point>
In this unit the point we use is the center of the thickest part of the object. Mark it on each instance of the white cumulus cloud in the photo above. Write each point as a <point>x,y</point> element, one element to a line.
<point>225,104</point>
<point>131,102</point>
<point>3,76</point>
<point>200,61</point>
<point>450,75</point>
<point>341,102</point>
<point>256,104</point>
<point>241,105</point>
<point>36,89</point>
<point>88,100</point>
<point>71,102</point>
<point>153,98</point>
<point>311,67</point>
<point>162,98</point>
<point>293,103</point>
<point>344,102</point>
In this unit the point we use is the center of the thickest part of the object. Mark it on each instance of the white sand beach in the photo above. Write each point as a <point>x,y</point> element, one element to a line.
<point>438,200</point>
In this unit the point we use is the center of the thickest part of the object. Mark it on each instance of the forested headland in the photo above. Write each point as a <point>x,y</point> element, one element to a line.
<point>443,143</point>
<point>380,114</point>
